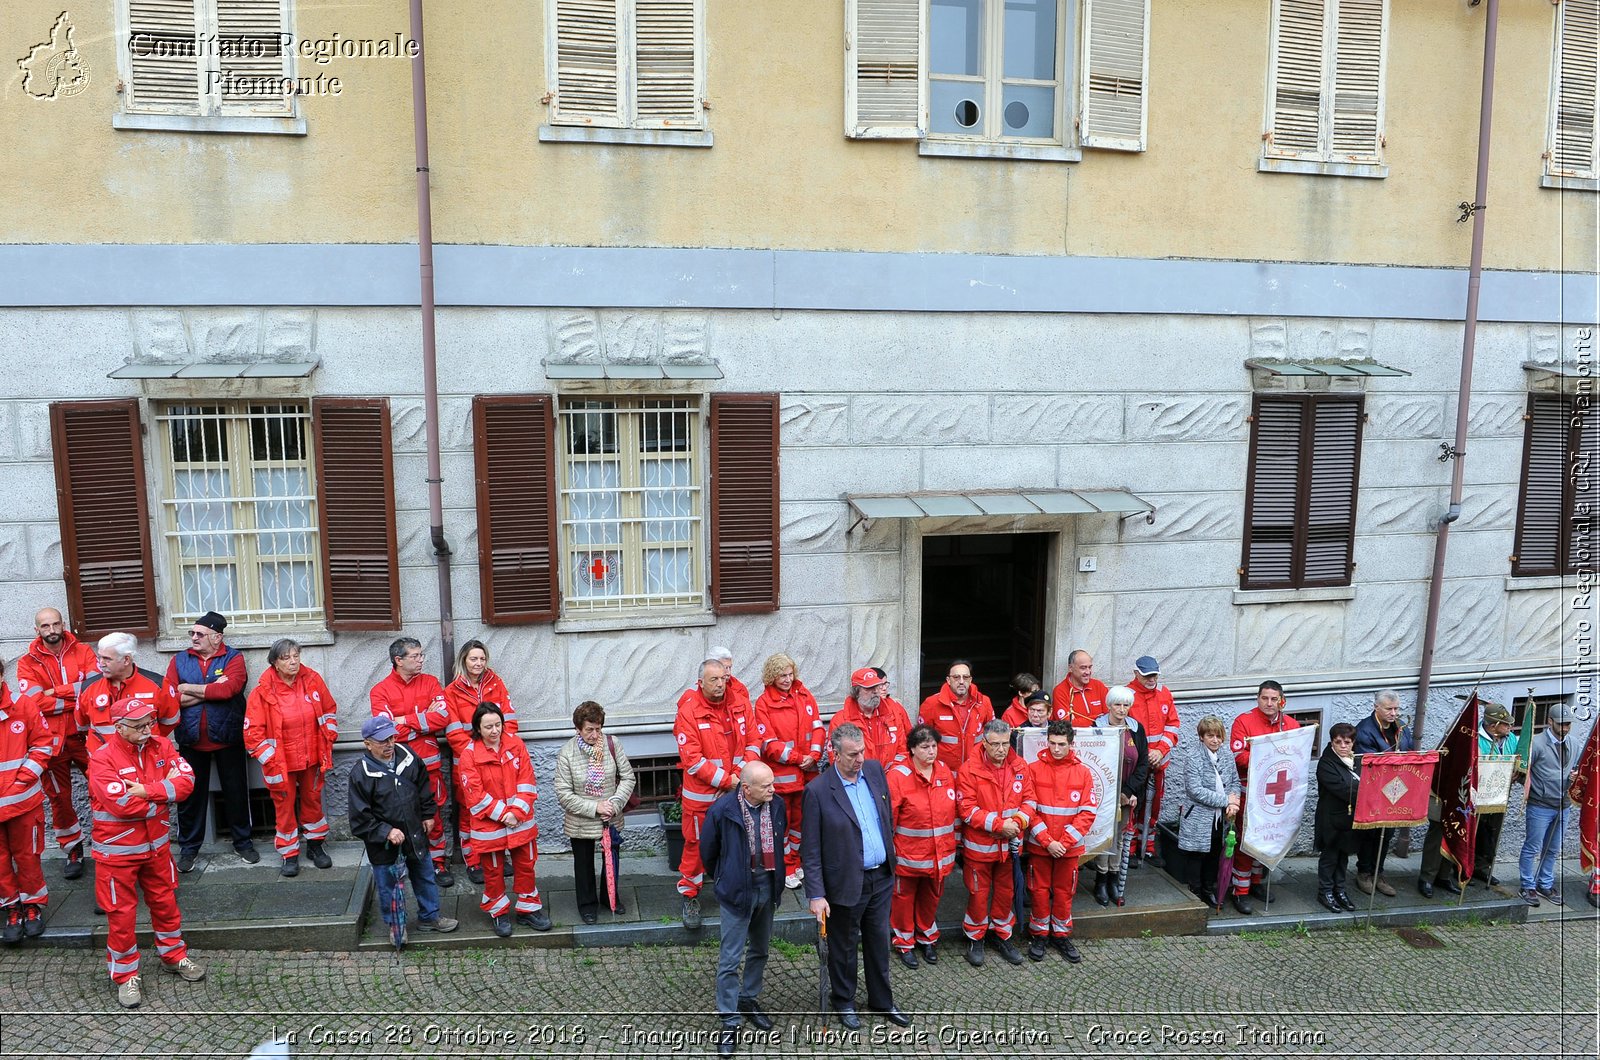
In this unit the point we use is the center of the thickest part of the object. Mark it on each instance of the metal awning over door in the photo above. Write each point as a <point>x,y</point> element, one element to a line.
<point>945,505</point>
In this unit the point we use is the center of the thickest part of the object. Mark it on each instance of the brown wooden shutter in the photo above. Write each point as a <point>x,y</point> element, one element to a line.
<point>105,523</point>
<point>1330,494</point>
<point>1271,491</point>
<point>1542,500</point>
<point>744,503</point>
<point>514,447</point>
<point>355,495</point>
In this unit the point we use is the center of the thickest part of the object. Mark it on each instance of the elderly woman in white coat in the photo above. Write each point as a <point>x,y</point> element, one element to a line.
<point>593,782</point>
<point>1210,802</point>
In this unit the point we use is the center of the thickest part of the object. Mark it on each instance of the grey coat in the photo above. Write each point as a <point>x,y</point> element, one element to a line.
<point>1202,804</point>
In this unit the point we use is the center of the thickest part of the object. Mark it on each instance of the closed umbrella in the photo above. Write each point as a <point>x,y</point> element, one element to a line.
<point>396,898</point>
<point>608,862</point>
<point>1225,864</point>
<point>824,977</point>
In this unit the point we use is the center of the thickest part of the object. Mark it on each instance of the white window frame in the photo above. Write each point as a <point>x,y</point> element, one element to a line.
<point>628,522</point>
<point>628,127</point>
<point>252,540</point>
<point>209,113</point>
<point>1324,161</point>
<point>1553,176</point>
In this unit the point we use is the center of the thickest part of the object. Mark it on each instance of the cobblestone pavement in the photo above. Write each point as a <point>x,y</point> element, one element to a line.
<point>1491,990</point>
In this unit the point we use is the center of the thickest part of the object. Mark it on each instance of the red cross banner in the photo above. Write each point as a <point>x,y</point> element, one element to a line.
<point>1280,767</point>
<point>1453,782</point>
<point>1101,751</point>
<point>1394,789</point>
<point>1585,794</point>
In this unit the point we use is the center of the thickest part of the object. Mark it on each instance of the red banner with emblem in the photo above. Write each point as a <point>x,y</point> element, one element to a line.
<point>1453,782</point>
<point>1585,794</point>
<point>1394,789</point>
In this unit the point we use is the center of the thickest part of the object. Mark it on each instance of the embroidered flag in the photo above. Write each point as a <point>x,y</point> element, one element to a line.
<point>1101,751</point>
<point>1280,764</point>
<point>1394,789</point>
<point>1585,793</point>
<point>1453,782</point>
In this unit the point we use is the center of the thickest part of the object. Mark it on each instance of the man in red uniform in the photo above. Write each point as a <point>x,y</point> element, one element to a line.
<point>121,678</point>
<point>211,682</point>
<point>415,701</point>
<point>1249,878</point>
<point>958,712</point>
<point>134,779</point>
<point>883,722</point>
<point>715,737</point>
<point>1063,808</point>
<point>1154,710</point>
<point>1080,698</point>
<point>52,667</point>
<point>26,745</point>
<point>992,792</point>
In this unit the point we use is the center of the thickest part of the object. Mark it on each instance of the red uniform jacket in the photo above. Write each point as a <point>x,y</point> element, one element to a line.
<point>986,796</point>
<point>1063,804</point>
<point>26,744</point>
<point>924,811</point>
<point>1080,706</point>
<point>497,783</point>
<point>789,728</point>
<point>1016,714</point>
<point>1159,715</point>
<point>1254,723</point>
<point>463,698</point>
<point>96,694</point>
<point>55,680</point>
<point>714,741</point>
<point>960,725</point>
<point>885,730</point>
<point>418,709</point>
<point>135,827</point>
<point>288,728</point>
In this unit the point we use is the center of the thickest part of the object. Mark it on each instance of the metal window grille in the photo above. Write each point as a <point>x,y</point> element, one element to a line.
<point>631,506</point>
<point>657,778</point>
<point>238,513</point>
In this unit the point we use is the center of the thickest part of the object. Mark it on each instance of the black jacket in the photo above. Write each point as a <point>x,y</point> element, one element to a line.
<point>1133,781</point>
<point>830,835</point>
<point>1336,804</point>
<point>726,852</point>
<point>383,797</point>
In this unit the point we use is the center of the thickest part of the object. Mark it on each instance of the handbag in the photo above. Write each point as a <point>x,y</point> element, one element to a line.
<point>633,799</point>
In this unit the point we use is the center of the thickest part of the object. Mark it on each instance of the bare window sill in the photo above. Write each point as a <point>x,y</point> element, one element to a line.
<point>1321,594</point>
<point>1307,167</point>
<point>312,637</point>
<point>218,123</point>
<point>588,134</point>
<point>1569,183</point>
<point>618,623</point>
<point>1543,581</point>
<point>933,148</point>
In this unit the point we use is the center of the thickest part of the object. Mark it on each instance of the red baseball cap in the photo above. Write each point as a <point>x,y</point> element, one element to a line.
<point>867,677</point>
<point>131,709</point>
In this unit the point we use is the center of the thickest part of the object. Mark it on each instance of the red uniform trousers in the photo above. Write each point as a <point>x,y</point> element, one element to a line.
<point>1159,776</point>
<point>1051,885</point>
<point>1246,869</point>
<point>691,870</point>
<point>298,805</point>
<point>21,875</point>
<point>913,910</point>
<point>115,880</point>
<point>57,784</point>
<point>493,862</point>
<point>791,838</point>
<point>990,894</point>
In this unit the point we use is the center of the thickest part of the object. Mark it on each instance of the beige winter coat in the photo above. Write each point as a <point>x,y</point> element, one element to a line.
<point>582,820</point>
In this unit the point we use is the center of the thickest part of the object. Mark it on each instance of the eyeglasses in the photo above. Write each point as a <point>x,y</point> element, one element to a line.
<point>414,655</point>
<point>199,633</point>
<point>137,726</point>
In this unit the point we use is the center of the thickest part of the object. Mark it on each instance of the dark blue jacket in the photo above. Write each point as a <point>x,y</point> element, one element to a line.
<point>726,853</point>
<point>830,835</point>
<point>224,717</point>
<point>1370,740</point>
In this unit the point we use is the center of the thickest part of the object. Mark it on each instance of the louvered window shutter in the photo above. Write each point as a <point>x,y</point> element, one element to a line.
<point>514,451</point>
<point>163,58</point>
<point>1573,108</point>
<point>1543,508</point>
<point>1358,81</point>
<point>1115,73</point>
<point>1271,493</point>
<point>105,524</point>
<point>885,47</point>
<point>355,495</point>
<point>588,73</point>
<point>666,73</point>
<point>1300,494</point>
<point>1295,128</point>
<point>251,45</point>
<point>1330,495</point>
<point>744,503</point>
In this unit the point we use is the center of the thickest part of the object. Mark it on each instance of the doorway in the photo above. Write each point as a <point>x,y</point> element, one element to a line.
<point>983,599</point>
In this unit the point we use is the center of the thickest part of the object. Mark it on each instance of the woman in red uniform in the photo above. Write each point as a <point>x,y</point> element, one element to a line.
<point>290,723</point>
<point>475,684</point>
<point>499,788</point>
<point>791,736</point>
<point>922,797</point>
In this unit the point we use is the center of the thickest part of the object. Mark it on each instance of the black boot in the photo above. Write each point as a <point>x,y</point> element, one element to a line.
<point>318,856</point>
<point>1102,883</point>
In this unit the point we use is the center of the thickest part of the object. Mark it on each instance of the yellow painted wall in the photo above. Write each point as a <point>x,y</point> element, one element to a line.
<point>782,174</point>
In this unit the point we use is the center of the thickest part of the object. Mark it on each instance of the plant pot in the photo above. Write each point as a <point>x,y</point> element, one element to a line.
<point>673,830</point>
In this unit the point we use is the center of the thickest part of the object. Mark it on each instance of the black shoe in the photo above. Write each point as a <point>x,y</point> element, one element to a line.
<point>1069,952</point>
<point>930,952</point>
<point>1156,860</point>
<point>1036,948</point>
<point>475,874</point>
<point>894,1016</point>
<point>32,921</point>
<point>620,909</point>
<point>1551,895</point>
<point>1328,902</point>
<point>74,866</point>
<point>849,1018</point>
<point>589,918</point>
<point>319,857</point>
<point>443,876</point>
<point>725,1044</point>
<point>691,914</point>
<point>11,933</point>
<point>1344,900</point>
<point>249,853</point>
<point>1008,952</point>
<point>1241,903</point>
<point>290,866</point>
<point>1102,884</point>
<point>1494,881</point>
<point>186,861</point>
<point>751,1010</point>
<point>1425,888</point>
<point>1448,885</point>
<point>975,953</point>
<point>1208,898</point>
<point>908,958</point>
<point>539,920</point>
<point>1258,891</point>
<point>502,926</point>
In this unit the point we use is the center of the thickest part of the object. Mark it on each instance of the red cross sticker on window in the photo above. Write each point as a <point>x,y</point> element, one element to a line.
<point>598,568</point>
<point>1279,787</point>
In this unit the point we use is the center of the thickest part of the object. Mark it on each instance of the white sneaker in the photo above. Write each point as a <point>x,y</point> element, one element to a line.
<point>792,880</point>
<point>186,970</point>
<point>131,993</point>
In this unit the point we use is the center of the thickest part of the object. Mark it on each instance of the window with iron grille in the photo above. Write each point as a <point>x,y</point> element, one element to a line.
<point>657,778</point>
<point>631,505</point>
<point>239,514</point>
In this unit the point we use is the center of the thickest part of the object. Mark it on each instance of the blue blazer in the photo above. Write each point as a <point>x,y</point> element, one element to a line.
<point>726,852</point>
<point>830,835</point>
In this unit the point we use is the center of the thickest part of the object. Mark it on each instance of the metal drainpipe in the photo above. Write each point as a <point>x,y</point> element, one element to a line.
<point>430,366</point>
<point>1468,345</point>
